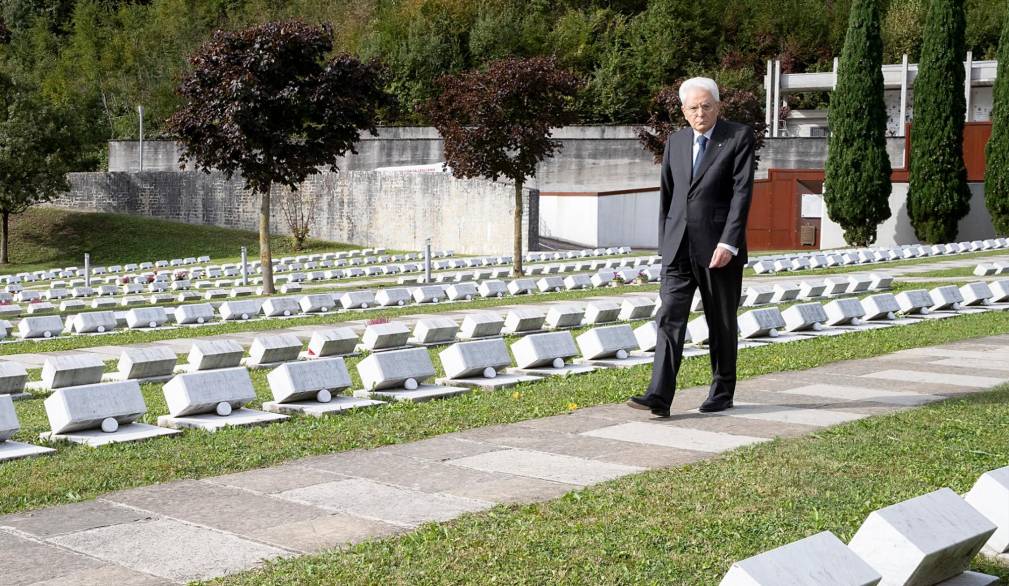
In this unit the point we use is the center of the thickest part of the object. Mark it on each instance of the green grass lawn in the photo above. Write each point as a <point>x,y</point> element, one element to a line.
<point>944,273</point>
<point>687,525</point>
<point>46,237</point>
<point>78,473</point>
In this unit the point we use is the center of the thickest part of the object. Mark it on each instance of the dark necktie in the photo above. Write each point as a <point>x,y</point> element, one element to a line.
<point>702,141</point>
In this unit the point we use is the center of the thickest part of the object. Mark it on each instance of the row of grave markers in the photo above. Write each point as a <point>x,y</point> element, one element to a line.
<point>184,290</point>
<point>929,540</point>
<point>48,326</point>
<point>821,260</point>
<point>212,390</point>
<point>393,371</point>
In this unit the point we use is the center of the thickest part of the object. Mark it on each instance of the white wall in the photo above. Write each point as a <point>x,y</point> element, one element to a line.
<point>897,229</point>
<point>610,220</point>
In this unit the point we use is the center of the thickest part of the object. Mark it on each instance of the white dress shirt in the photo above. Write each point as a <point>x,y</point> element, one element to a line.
<point>697,148</point>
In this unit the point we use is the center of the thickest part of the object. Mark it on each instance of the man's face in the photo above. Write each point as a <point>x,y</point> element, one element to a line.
<point>700,109</point>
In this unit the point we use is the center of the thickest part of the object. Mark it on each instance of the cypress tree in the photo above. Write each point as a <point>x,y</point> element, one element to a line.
<point>857,182</point>
<point>938,196</point>
<point>996,178</point>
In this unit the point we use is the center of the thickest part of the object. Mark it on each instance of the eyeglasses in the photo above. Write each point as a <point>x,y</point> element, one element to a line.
<point>706,107</point>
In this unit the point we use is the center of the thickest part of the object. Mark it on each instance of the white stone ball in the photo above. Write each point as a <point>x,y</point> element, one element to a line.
<point>890,315</point>
<point>410,384</point>
<point>558,363</point>
<point>47,334</point>
<point>401,302</point>
<point>772,333</point>
<point>434,300</point>
<point>153,324</point>
<point>500,294</point>
<point>324,396</point>
<point>324,309</point>
<point>621,354</point>
<point>856,321</point>
<point>957,306</point>
<point>100,329</point>
<point>469,298</point>
<point>223,409</point>
<point>925,311</point>
<point>489,372</point>
<point>287,312</point>
<point>110,425</point>
<point>245,316</point>
<point>364,306</point>
<point>817,326</point>
<point>200,320</point>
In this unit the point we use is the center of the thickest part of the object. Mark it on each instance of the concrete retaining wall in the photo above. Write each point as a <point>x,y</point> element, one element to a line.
<point>593,158</point>
<point>370,208</point>
<point>897,230</point>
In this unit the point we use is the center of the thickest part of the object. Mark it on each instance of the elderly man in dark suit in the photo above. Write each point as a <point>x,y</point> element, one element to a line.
<point>706,185</point>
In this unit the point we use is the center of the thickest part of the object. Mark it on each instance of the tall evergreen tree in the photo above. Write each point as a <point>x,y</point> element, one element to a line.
<point>857,182</point>
<point>938,196</point>
<point>996,178</point>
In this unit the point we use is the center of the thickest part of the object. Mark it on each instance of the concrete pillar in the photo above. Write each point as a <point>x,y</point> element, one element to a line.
<point>834,83</point>
<point>768,96</point>
<point>903,96</point>
<point>776,109</point>
<point>969,67</point>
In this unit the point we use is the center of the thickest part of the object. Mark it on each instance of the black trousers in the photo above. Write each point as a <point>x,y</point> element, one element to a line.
<point>720,291</point>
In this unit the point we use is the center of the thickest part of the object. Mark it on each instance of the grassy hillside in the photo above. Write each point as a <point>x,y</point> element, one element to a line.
<point>45,237</point>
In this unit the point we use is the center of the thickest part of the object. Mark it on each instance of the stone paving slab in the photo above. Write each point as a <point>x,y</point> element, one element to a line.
<point>851,393</point>
<point>917,376</point>
<point>218,507</point>
<point>170,549</point>
<point>59,520</point>
<point>394,505</point>
<point>104,576</point>
<point>675,437</point>
<point>553,467</point>
<point>794,415</point>
<point>26,561</point>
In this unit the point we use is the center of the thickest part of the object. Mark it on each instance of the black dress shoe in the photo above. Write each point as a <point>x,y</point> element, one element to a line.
<point>645,403</point>
<point>707,407</point>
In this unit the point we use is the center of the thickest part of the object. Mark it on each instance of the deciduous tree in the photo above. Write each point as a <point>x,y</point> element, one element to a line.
<point>36,153</point>
<point>267,103</point>
<point>496,122</point>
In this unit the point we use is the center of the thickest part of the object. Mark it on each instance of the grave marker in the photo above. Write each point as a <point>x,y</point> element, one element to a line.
<point>385,336</point>
<point>481,325</point>
<point>270,349</point>
<point>312,388</point>
<point>212,399</point>
<point>818,560</point>
<point>400,375</point>
<point>333,342</point>
<point>99,414</point>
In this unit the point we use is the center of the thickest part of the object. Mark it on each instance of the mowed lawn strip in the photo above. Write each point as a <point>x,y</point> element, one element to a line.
<point>78,473</point>
<point>45,237</point>
<point>687,525</point>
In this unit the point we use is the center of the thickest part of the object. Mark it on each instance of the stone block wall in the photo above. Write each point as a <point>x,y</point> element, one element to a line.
<point>395,210</point>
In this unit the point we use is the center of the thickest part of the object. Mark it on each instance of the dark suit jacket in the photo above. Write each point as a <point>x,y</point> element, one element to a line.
<point>713,206</point>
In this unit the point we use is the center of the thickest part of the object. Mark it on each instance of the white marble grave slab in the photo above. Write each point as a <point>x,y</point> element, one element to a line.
<point>818,560</point>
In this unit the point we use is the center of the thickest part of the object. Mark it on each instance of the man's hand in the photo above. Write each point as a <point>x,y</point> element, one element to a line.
<point>720,258</point>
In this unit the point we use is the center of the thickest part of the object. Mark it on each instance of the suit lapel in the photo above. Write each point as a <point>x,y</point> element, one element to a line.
<point>686,152</point>
<point>711,153</point>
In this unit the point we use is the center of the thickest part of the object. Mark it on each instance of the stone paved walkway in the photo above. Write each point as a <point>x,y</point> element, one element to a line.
<point>198,529</point>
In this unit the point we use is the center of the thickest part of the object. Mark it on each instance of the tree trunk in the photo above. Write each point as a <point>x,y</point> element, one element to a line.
<point>265,258</point>
<point>4,235</point>
<point>517,267</point>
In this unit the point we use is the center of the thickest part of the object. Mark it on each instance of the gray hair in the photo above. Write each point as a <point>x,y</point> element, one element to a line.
<point>701,83</point>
